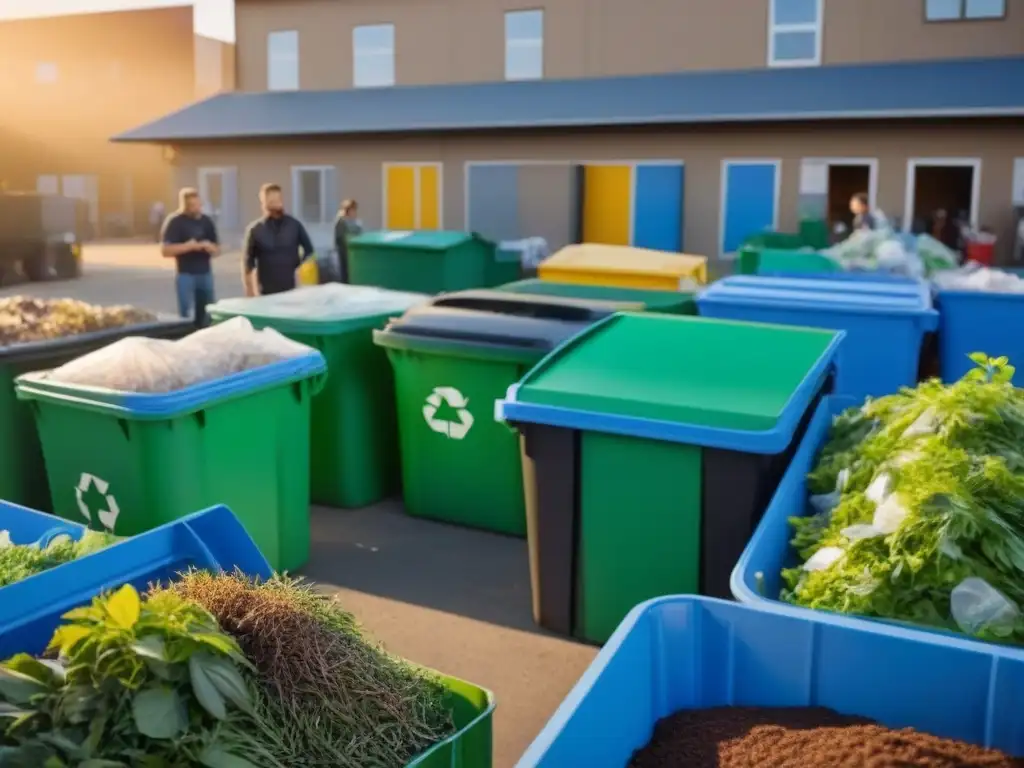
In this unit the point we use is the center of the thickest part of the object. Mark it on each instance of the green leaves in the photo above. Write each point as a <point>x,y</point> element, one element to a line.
<point>159,713</point>
<point>124,607</point>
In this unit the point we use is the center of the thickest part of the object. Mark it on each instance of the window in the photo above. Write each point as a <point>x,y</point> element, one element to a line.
<point>794,33</point>
<point>315,192</point>
<point>373,56</point>
<point>954,10</point>
<point>283,61</point>
<point>46,72</point>
<point>524,45</point>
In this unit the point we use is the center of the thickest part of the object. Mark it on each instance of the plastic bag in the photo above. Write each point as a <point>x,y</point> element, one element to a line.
<point>976,605</point>
<point>974,277</point>
<point>935,255</point>
<point>235,346</point>
<point>133,364</point>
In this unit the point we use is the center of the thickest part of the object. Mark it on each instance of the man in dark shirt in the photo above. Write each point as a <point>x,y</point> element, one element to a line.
<point>190,237</point>
<point>270,251</point>
<point>861,210</point>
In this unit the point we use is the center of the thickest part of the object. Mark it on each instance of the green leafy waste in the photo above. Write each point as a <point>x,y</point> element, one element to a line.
<point>922,509</point>
<point>19,561</point>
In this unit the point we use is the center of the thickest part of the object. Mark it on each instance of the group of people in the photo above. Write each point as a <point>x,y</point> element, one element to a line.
<point>274,247</point>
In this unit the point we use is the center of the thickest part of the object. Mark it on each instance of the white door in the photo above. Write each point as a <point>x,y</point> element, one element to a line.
<point>48,185</point>
<point>218,188</point>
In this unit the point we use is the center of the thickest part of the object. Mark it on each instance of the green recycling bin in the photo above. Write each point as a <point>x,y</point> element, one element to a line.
<point>422,261</point>
<point>22,472</point>
<point>128,462</point>
<point>353,458</point>
<point>669,302</point>
<point>453,358</point>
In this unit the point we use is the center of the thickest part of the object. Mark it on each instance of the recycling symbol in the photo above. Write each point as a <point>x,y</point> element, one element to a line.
<point>445,412</point>
<point>94,486</point>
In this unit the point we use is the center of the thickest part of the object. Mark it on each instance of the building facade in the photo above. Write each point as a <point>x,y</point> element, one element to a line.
<point>676,124</point>
<point>70,82</point>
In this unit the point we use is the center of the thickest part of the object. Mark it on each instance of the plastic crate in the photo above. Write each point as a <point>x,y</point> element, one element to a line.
<point>677,653</point>
<point>30,609</point>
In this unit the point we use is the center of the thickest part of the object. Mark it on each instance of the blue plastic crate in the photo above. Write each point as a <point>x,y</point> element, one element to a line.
<point>677,653</point>
<point>885,321</point>
<point>979,321</point>
<point>30,609</point>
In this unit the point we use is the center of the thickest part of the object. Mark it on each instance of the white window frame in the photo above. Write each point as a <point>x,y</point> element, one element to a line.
<point>963,15</point>
<point>417,200</point>
<point>278,60</point>
<point>47,72</point>
<point>816,27</point>
<point>914,163</point>
<point>326,216</point>
<point>531,43</point>
<point>357,54</point>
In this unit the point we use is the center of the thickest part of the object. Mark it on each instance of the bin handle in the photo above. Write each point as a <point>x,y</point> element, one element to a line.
<point>61,530</point>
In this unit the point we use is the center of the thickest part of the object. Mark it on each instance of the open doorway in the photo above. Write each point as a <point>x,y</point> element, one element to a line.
<point>941,184</point>
<point>845,181</point>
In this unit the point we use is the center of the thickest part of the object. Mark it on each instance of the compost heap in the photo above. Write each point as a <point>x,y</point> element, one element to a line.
<point>23,319</point>
<point>19,561</point>
<point>884,250</point>
<point>137,364</point>
<point>919,500</point>
<point>217,671</point>
<point>799,737</point>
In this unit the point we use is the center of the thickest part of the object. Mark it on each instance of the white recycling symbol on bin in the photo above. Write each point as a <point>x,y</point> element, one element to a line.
<point>108,515</point>
<point>456,404</point>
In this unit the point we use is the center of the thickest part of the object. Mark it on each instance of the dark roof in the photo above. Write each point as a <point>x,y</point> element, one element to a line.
<point>950,88</point>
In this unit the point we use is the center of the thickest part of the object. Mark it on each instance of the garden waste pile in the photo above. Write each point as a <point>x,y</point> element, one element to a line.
<point>24,320</point>
<point>919,509</point>
<point>138,364</point>
<point>218,671</point>
<point>19,561</point>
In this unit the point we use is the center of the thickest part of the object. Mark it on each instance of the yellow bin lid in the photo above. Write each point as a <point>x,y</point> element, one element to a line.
<point>626,260</point>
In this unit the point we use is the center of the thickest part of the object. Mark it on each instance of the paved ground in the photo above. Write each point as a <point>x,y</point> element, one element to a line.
<point>449,598</point>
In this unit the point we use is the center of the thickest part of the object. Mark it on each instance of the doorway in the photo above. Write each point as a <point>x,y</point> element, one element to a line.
<point>845,181</point>
<point>218,189</point>
<point>951,185</point>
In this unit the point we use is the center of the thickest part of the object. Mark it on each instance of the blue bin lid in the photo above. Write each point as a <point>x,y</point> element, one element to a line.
<point>816,295</point>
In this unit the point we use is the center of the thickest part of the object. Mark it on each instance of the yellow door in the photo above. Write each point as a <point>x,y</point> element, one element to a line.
<point>430,197</point>
<point>401,197</point>
<point>606,204</point>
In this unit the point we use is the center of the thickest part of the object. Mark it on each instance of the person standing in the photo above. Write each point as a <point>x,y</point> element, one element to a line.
<point>190,238</point>
<point>345,226</point>
<point>271,248</point>
<point>862,217</point>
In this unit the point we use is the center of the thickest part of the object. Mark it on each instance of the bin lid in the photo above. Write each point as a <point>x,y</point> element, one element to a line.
<point>330,308</point>
<point>678,302</point>
<point>619,259</point>
<point>815,294</point>
<point>494,324</point>
<point>419,239</point>
<point>724,384</point>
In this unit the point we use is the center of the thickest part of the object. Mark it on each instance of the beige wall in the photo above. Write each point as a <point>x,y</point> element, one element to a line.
<point>359,173</point>
<point>448,41</point>
<point>214,66</point>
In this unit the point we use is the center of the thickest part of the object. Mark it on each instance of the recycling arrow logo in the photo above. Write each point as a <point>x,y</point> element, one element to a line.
<point>95,486</point>
<point>445,413</point>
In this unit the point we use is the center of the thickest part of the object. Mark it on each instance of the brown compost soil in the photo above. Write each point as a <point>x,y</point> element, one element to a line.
<point>801,737</point>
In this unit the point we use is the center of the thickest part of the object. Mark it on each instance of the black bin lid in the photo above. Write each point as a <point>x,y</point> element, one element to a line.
<point>496,319</point>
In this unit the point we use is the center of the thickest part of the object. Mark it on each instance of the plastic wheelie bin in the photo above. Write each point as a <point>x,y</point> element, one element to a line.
<point>886,321</point>
<point>624,266</point>
<point>22,473</point>
<point>671,302</point>
<point>128,462</point>
<point>652,446</point>
<point>423,261</point>
<point>353,457</point>
<point>452,359</point>
<point>979,321</point>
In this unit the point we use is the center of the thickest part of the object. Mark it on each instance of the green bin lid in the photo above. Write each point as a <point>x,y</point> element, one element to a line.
<point>330,308</point>
<point>490,324</point>
<point>684,370</point>
<point>673,302</point>
<point>420,239</point>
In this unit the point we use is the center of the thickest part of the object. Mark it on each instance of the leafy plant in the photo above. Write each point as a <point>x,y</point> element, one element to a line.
<point>151,683</point>
<point>19,561</point>
<point>946,464</point>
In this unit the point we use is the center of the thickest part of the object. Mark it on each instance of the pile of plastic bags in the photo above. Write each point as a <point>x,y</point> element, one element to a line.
<point>137,364</point>
<point>884,250</point>
<point>974,277</point>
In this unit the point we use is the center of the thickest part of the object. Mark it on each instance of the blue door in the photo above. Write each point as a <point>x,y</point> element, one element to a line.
<point>658,207</point>
<point>494,201</point>
<point>749,202</point>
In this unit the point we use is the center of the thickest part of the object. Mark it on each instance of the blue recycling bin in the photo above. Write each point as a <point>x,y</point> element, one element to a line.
<point>885,321</point>
<point>682,652</point>
<point>31,609</point>
<point>979,321</point>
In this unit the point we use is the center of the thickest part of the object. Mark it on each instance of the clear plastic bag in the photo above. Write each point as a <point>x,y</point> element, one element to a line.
<point>976,605</point>
<point>133,364</point>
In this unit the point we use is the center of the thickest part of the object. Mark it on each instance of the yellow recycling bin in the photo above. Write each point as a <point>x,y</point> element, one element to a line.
<point>625,267</point>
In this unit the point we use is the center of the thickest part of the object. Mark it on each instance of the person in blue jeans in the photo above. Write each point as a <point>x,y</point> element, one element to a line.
<point>190,238</point>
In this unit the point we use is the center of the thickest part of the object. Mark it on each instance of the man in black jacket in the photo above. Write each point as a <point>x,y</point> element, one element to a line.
<point>270,251</point>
